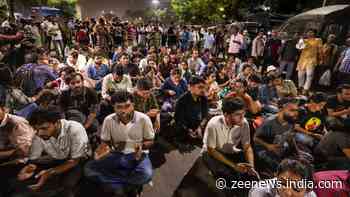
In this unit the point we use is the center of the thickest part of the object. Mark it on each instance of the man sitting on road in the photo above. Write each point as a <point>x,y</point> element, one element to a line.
<point>121,160</point>
<point>227,150</point>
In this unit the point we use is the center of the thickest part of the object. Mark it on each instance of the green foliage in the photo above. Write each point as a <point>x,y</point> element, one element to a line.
<point>67,6</point>
<point>204,11</point>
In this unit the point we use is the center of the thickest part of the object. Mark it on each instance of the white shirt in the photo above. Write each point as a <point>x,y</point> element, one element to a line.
<point>55,28</point>
<point>220,136</point>
<point>108,84</point>
<point>72,143</point>
<point>140,128</point>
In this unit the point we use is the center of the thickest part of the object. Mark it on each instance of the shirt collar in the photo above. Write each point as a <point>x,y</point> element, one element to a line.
<point>4,121</point>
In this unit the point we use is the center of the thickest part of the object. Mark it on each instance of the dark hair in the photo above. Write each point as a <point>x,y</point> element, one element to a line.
<point>318,97</point>
<point>242,81</point>
<point>294,166</point>
<point>121,96</point>
<point>276,76</point>
<point>246,66</point>
<point>287,100</point>
<point>312,30</point>
<point>175,71</point>
<point>144,84</point>
<point>74,54</point>
<point>68,70</point>
<point>6,75</point>
<point>41,115</point>
<point>123,54</point>
<point>340,88</point>
<point>231,105</point>
<point>118,69</point>
<point>70,77</point>
<point>47,96</point>
<point>255,78</point>
<point>196,80</point>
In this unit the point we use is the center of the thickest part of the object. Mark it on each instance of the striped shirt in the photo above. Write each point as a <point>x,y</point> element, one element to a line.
<point>234,43</point>
<point>345,64</point>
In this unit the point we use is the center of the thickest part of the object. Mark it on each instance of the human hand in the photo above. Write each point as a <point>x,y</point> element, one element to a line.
<point>26,172</point>
<point>243,167</point>
<point>172,93</point>
<point>275,148</point>
<point>43,176</point>
<point>138,152</point>
<point>317,136</point>
<point>102,151</point>
<point>153,113</point>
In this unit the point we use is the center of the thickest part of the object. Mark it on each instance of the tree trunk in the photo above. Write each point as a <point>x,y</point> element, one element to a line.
<point>235,8</point>
<point>10,8</point>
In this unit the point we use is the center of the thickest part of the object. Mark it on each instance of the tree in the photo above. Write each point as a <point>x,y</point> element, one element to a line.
<point>204,11</point>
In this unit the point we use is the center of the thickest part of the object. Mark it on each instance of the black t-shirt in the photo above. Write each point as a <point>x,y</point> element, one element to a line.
<point>312,121</point>
<point>223,80</point>
<point>132,70</point>
<point>336,105</point>
<point>86,102</point>
<point>189,113</point>
<point>165,69</point>
<point>254,93</point>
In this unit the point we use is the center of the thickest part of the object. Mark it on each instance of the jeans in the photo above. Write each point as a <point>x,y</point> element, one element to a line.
<point>118,170</point>
<point>26,111</point>
<point>289,67</point>
<point>305,77</point>
<point>305,140</point>
<point>266,159</point>
<point>220,170</point>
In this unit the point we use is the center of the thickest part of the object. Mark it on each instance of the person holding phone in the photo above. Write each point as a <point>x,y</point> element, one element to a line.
<point>122,161</point>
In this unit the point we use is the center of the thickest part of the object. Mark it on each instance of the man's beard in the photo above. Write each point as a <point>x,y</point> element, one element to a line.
<point>125,117</point>
<point>289,119</point>
<point>77,91</point>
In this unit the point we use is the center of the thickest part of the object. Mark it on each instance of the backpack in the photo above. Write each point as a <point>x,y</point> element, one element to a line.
<point>339,181</point>
<point>25,79</point>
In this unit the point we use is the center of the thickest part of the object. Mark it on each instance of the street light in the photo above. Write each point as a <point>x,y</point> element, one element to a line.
<point>155,2</point>
<point>324,3</point>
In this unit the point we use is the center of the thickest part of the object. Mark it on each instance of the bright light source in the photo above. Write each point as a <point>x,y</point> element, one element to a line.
<point>155,2</point>
<point>222,9</point>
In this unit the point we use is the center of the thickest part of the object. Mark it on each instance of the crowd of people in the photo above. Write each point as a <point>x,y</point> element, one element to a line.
<point>87,100</point>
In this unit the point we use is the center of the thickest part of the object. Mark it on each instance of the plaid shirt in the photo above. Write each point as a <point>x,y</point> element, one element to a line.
<point>16,99</point>
<point>145,106</point>
<point>15,132</point>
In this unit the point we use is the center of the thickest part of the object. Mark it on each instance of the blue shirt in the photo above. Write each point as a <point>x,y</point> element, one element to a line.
<point>43,74</point>
<point>97,74</point>
<point>179,89</point>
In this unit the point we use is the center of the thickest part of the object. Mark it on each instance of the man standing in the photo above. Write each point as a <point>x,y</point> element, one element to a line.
<point>236,42</point>
<point>122,158</point>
